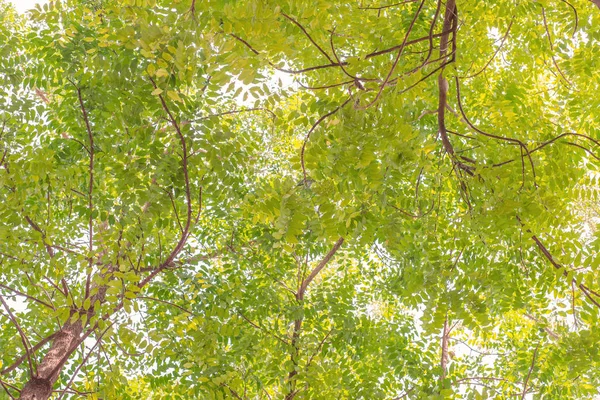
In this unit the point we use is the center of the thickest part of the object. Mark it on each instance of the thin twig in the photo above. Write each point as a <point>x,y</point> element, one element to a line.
<point>400,50</point>
<point>308,36</point>
<point>315,125</point>
<point>24,340</point>
<point>27,296</point>
<point>529,373</point>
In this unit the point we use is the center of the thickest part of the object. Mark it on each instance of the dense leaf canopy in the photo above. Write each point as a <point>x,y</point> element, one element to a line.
<point>290,199</point>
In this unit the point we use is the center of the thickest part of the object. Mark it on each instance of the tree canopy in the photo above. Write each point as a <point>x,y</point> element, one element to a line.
<point>288,199</point>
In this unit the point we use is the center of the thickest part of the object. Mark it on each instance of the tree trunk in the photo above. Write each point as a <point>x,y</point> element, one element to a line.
<point>65,342</point>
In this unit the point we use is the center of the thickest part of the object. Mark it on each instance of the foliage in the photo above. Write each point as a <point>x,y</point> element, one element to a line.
<point>314,200</point>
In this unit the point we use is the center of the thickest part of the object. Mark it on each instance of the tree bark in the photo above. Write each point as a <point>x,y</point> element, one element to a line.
<point>39,387</point>
<point>444,358</point>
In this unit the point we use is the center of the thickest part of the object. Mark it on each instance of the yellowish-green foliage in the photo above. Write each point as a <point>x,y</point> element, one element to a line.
<point>261,199</point>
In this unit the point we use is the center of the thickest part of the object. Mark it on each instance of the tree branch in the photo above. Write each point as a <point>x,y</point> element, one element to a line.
<point>186,229</point>
<point>20,360</point>
<point>309,37</point>
<point>38,229</point>
<point>27,296</point>
<point>529,373</point>
<point>318,268</point>
<point>400,50</point>
<point>74,374</point>
<point>315,125</point>
<point>24,340</point>
<point>90,190</point>
<point>444,357</point>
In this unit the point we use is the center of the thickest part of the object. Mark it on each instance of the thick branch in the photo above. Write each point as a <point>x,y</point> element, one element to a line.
<point>443,86</point>
<point>74,374</point>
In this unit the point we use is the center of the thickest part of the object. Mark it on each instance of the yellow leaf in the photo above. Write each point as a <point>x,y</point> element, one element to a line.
<point>157,91</point>
<point>429,148</point>
<point>162,72</point>
<point>174,96</point>
<point>146,53</point>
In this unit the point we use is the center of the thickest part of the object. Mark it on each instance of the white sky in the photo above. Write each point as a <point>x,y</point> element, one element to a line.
<point>24,5</point>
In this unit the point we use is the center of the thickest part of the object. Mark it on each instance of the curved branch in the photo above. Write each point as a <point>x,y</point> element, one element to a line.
<point>308,36</point>
<point>518,142</point>
<point>188,196</point>
<point>586,290</point>
<point>236,112</point>
<point>19,293</point>
<point>90,189</point>
<point>166,302</point>
<point>413,41</point>
<point>263,329</point>
<point>355,78</point>
<point>496,52</point>
<point>575,14</point>
<point>326,86</point>
<point>529,373</point>
<point>552,47</point>
<point>288,71</point>
<point>24,340</point>
<point>315,125</point>
<point>553,140</point>
<point>20,360</point>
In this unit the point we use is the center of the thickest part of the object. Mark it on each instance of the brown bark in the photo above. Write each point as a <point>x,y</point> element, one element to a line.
<point>444,358</point>
<point>71,335</point>
<point>295,355</point>
<point>39,387</point>
<point>449,26</point>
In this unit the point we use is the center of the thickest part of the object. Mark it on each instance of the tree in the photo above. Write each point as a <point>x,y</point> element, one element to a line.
<point>299,200</point>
